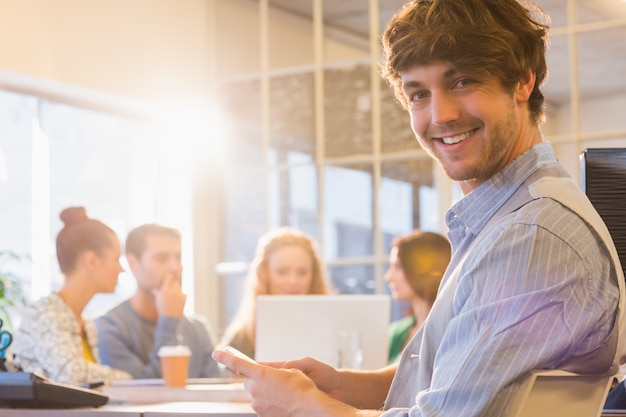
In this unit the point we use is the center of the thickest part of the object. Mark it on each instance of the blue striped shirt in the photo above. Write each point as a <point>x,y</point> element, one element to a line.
<point>536,289</point>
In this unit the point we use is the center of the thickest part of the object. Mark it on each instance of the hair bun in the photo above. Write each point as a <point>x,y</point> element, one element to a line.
<point>73,215</point>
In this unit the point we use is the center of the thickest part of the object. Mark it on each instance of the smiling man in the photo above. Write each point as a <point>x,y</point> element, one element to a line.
<point>532,283</point>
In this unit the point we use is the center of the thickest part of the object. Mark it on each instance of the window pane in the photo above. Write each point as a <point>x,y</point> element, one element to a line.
<point>348,228</point>
<point>408,199</point>
<point>598,11</point>
<point>232,284</point>
<point>386,11</point>
<point>346,30</point>
<point>602,65</point>
<point>293,199</point>
<point>17,114</point>
<point>240,103</point>
<point>348,111</point>
<point>292,115</point>
<point>107,163</point>
<point>557,90</point>
<point>353,279</point>
<point>290,34</point>
<point>244,212</point>
<point>395,124</point>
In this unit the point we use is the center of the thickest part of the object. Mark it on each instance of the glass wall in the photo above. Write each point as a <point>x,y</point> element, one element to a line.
<point>585,87</point>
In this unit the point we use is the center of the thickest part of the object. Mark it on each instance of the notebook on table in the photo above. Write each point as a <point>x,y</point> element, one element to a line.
<point>293,326</point>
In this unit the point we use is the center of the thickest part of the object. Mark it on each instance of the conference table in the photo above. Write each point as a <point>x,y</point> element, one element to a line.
<point>210,397</point>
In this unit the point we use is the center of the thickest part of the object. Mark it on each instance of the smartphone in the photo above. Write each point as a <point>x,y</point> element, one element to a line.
<point>237,353</point>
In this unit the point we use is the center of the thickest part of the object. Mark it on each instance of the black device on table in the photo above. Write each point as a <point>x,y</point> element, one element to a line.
<point>30,390</point>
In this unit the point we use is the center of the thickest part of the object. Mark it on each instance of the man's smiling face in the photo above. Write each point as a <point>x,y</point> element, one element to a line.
<point>470,124</point>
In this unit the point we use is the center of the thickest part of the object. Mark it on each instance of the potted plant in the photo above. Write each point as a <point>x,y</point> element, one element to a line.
<point>12,294</point>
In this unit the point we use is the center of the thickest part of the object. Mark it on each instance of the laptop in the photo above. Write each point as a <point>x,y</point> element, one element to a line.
<point>293,326</point>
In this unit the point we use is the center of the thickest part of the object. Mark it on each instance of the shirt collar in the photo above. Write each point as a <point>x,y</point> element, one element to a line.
<point>475,209</point>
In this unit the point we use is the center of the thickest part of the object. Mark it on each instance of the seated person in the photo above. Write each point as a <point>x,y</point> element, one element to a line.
<point>54,337</point>
<point>286,263</point>
<point>131,334</point>
<point>417,263</point>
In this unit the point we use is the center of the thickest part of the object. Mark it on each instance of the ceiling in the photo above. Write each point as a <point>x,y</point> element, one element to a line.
<point>601,54</point>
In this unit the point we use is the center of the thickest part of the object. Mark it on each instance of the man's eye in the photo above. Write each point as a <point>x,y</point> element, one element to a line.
<point>465,82</point>
<point>420,95</point>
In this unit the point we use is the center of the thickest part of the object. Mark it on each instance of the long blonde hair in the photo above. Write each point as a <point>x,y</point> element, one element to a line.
<point>257,278</point>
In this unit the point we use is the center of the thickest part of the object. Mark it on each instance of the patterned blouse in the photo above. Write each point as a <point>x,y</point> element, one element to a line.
<point>49,341</point>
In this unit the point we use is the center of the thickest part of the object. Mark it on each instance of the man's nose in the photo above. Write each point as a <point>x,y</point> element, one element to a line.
<point>444,108</point>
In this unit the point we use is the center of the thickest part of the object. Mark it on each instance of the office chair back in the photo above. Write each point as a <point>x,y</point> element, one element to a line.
<point>560,394</point>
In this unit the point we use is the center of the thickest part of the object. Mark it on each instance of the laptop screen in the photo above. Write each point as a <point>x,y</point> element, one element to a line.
<point>293,326</point>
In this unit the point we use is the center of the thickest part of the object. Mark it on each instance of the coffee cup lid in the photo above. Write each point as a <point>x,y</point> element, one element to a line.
<point>178,350</point>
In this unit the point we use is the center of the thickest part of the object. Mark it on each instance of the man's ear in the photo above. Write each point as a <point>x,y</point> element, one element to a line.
<point>525,86</point>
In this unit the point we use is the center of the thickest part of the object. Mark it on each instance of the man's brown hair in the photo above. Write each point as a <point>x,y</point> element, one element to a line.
<point>136,239</point>
<point>500,38</point>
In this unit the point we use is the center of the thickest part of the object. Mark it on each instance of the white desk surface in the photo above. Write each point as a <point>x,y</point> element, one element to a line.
<point>105,411</point>
<point>152,399</point>
<point>154,394</point>
<point>198,409</point>
<point>174,409</point>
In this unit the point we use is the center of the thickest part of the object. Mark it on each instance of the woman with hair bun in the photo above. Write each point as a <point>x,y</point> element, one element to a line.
<point>54,337</point>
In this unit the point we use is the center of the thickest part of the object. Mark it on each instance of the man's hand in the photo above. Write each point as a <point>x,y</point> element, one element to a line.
<point>280,392</point>
<point>325,377</point>
<point>169,299</point>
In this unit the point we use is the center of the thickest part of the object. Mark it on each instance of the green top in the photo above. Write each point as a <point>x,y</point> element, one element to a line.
<point>399,332</point>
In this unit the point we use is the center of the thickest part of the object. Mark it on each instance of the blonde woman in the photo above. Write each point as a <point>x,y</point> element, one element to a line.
<point>286,263</point>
